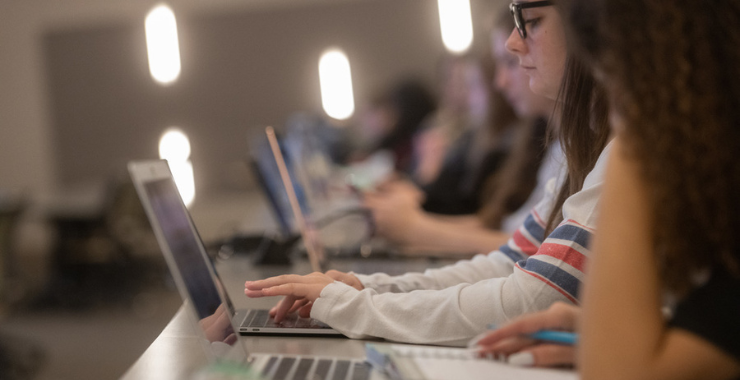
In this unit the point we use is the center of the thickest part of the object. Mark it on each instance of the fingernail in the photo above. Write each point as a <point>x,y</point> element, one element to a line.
<point>521,359</point>
<point>474,342</point>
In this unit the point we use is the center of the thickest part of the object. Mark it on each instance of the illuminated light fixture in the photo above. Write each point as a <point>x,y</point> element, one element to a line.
<point>174,146</point>
<point>162,44</point>
<point>335,77</point>
<point>456,25</point>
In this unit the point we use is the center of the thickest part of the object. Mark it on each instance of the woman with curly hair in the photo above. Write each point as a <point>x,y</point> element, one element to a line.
<point>668,231</point>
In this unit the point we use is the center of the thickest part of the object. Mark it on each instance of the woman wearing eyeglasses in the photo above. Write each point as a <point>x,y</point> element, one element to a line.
<point>671,215</point>
<point>543,261</point>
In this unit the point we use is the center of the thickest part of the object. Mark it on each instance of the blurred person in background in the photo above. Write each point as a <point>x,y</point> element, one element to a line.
<point>506,195</point>
<point>390,121</point>
<point>466,140</point>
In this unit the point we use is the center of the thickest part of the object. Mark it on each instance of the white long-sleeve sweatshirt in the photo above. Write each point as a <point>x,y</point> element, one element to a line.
<point>451,305</point>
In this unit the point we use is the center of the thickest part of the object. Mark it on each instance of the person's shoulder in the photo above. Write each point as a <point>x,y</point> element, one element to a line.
<point>597,174</point>
<point>582,207</point>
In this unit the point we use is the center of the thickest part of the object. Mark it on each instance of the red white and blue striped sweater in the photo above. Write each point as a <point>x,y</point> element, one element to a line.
<point>451,305</point>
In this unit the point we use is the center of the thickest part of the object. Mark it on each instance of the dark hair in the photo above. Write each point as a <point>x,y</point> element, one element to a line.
<point>412,102</point>
<point>673,71</point>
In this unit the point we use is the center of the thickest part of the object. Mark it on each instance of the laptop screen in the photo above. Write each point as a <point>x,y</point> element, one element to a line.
<point>214,311</point>
<point>268,175</point>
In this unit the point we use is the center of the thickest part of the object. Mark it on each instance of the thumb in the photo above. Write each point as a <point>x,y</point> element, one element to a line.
<point>544,355</point>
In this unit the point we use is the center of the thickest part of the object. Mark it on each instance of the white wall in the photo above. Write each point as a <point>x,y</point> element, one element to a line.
<point>26,146</point>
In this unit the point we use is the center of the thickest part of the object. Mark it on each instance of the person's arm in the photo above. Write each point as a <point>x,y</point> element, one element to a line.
<point>470,220</point>
<point>499,263</point>
<point>623,334</point>
<point>450,316</point>
<point>399,218</point>
<point>430,234</point>
<point>459,312</point>
<point>524,242</point>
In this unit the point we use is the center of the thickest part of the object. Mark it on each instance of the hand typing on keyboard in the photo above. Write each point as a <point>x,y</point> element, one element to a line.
<point>299,291</point>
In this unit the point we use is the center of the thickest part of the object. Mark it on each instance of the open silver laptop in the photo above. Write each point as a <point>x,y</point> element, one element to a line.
<point>189,263</point>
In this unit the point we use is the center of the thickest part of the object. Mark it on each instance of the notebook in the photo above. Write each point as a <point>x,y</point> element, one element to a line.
<point>406,362</point>
<point>189,263</point>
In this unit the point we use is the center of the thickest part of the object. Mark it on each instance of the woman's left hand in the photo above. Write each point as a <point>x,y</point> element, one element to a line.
<point>299,291</point>
<point>511,339</point>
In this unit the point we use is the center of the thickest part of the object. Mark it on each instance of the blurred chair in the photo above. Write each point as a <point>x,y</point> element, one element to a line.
<point>11,209</point>
<point>19,358</point>
<point>105,252</point>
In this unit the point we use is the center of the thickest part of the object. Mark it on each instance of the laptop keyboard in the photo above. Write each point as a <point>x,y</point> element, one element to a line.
<point>261,318</point>
<point>297,368</point>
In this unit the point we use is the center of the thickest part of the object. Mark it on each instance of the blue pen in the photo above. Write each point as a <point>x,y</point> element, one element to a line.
<point>560,337</point>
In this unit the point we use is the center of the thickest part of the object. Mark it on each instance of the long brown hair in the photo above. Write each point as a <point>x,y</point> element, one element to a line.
<point>584,127</point>
<point>673,71</point>
<point>509,187</point>
<point>584,130</point>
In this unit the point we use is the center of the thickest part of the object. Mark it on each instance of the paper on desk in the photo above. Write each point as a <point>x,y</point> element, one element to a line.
<point>445,369</point>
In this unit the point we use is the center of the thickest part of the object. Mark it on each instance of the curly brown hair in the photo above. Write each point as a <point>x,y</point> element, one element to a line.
<point>672,68</point>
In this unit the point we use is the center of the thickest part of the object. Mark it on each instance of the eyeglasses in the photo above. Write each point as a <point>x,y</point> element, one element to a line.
<point>516,11</point>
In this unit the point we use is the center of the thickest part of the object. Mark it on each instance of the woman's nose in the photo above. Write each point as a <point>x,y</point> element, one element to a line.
<point>515,44</point>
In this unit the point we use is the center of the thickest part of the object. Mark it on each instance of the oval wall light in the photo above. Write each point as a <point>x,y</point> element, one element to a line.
<point>174,146</point>
<point>456,25</point>
<point>335,78</point>
<point>162,45</point>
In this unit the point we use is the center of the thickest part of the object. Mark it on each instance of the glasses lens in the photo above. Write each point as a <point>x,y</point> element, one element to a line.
<point>517,13</point>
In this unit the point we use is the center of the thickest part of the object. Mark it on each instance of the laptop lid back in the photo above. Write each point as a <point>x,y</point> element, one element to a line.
<point>206,299</point>
<point>269,178</point>
<point>310,235</point>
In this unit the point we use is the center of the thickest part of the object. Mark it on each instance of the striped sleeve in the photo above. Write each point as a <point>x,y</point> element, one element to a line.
<point>526,240</point>
<point>561,259</point>
<point>558,261</point>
